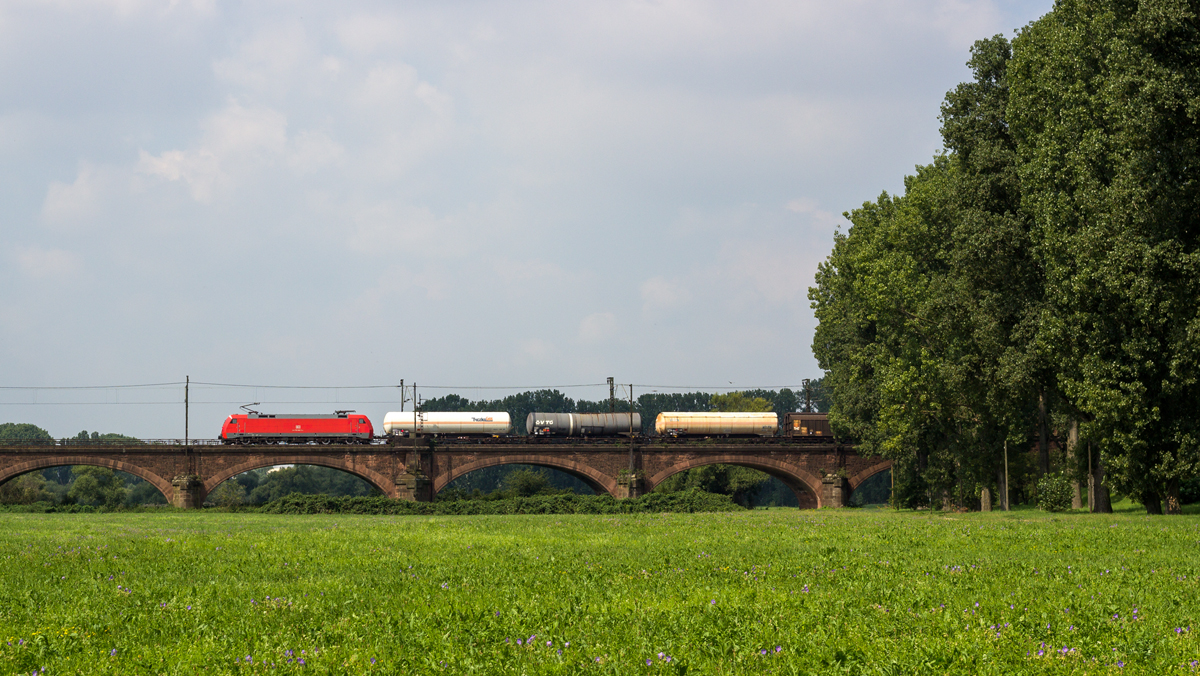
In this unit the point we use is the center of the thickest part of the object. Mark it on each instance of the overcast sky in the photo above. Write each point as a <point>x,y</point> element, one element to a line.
<point>456,193</point>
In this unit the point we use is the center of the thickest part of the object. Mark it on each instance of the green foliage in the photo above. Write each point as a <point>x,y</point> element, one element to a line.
<point>96,486</point>
<point>142,493</point>
<point>1054,493</point>
<point>228,494</point>
<point>261,486</point>
<point>1189,491</point>
<point>876,490</point>
<point>526,482</point>
<point>1105,111</point>
<point>741,484</point>
<point>23,432</point>
<point>489,483</point>
<point>562,503</point>
<point>24,490</point>
<point>107,438</point>
<point>739,402</point>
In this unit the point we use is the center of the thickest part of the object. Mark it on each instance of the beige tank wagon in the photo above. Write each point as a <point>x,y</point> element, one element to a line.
<point>675,424</point>
<point>456,424</point>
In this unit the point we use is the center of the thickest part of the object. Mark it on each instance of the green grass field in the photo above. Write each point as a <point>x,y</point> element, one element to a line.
<point>780,591</point>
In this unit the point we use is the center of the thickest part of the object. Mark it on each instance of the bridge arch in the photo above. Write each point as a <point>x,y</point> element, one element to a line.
<point>861,477</point>
<point>594,479</point>
<point>375,479</point>
<point>162,484</point>
<point>804,484</point>
<point>857,480</point>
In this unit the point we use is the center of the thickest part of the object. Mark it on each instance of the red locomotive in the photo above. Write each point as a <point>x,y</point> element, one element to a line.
<point>342,427</point>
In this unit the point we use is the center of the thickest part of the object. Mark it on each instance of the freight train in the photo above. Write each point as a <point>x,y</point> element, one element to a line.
<point>348,427</point>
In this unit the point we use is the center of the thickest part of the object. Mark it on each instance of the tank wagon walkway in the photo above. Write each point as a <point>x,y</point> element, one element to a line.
<point>821,474</point>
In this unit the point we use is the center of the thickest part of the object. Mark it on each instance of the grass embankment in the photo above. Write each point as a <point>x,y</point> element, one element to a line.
<point>779,591</point>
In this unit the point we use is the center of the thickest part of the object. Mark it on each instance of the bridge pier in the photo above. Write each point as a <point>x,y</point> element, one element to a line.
<point>630,485</point>
<point>835,491</point>
<point>189,492</point>
<point>414,484</point>
<point>414,487</point>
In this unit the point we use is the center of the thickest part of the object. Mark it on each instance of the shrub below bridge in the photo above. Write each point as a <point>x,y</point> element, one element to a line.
<point>569,503</point>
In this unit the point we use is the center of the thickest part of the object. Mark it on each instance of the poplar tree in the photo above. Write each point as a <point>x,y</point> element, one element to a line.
<point>1105,109</point>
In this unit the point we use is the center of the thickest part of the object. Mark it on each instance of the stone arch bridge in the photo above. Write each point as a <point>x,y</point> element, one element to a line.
<point>821,474</point>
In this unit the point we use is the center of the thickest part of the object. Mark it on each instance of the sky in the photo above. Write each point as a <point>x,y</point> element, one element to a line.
<point>479,197</point>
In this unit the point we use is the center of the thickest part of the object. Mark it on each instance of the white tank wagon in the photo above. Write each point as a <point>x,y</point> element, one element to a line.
<point>581,424</point>
<point>450,424</point>
<point>676,424</point>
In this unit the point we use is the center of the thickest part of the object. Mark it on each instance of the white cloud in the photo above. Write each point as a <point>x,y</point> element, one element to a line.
<point>364,34</point>
<point>269,61</point>
<point>39,263</point>
<point>80,202</point>
<point>391,228</point>
<point>313,150</point>
<point>200,169</point>
<point>664,295</point>
<point>768,274</point>
<point>598,327</point>
<point>816,216</point>
<point>241,142</point>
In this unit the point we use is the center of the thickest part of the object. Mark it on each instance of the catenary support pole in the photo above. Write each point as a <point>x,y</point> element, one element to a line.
<point>1006,475</point>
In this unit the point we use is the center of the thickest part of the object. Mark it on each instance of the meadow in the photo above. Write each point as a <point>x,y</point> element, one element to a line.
<point>776,591</point>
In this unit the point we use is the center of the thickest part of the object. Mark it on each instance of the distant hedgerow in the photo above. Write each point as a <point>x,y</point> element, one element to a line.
<point>569,503</point>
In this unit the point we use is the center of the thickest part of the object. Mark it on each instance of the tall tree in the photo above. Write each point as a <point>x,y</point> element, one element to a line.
<point>24,432</point>
<point>1105,109</point>
<point>1002,383</point>
<point>928,307</point>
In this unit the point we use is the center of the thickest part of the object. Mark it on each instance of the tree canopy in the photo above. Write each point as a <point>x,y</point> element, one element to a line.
<point>1036,285</point>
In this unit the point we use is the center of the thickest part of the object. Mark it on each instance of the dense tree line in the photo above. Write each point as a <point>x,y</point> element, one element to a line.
<point>1036,285</point>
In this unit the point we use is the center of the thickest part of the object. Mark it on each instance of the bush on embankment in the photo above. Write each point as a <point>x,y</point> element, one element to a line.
<point>45,507</point>
<point>569,503</point>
